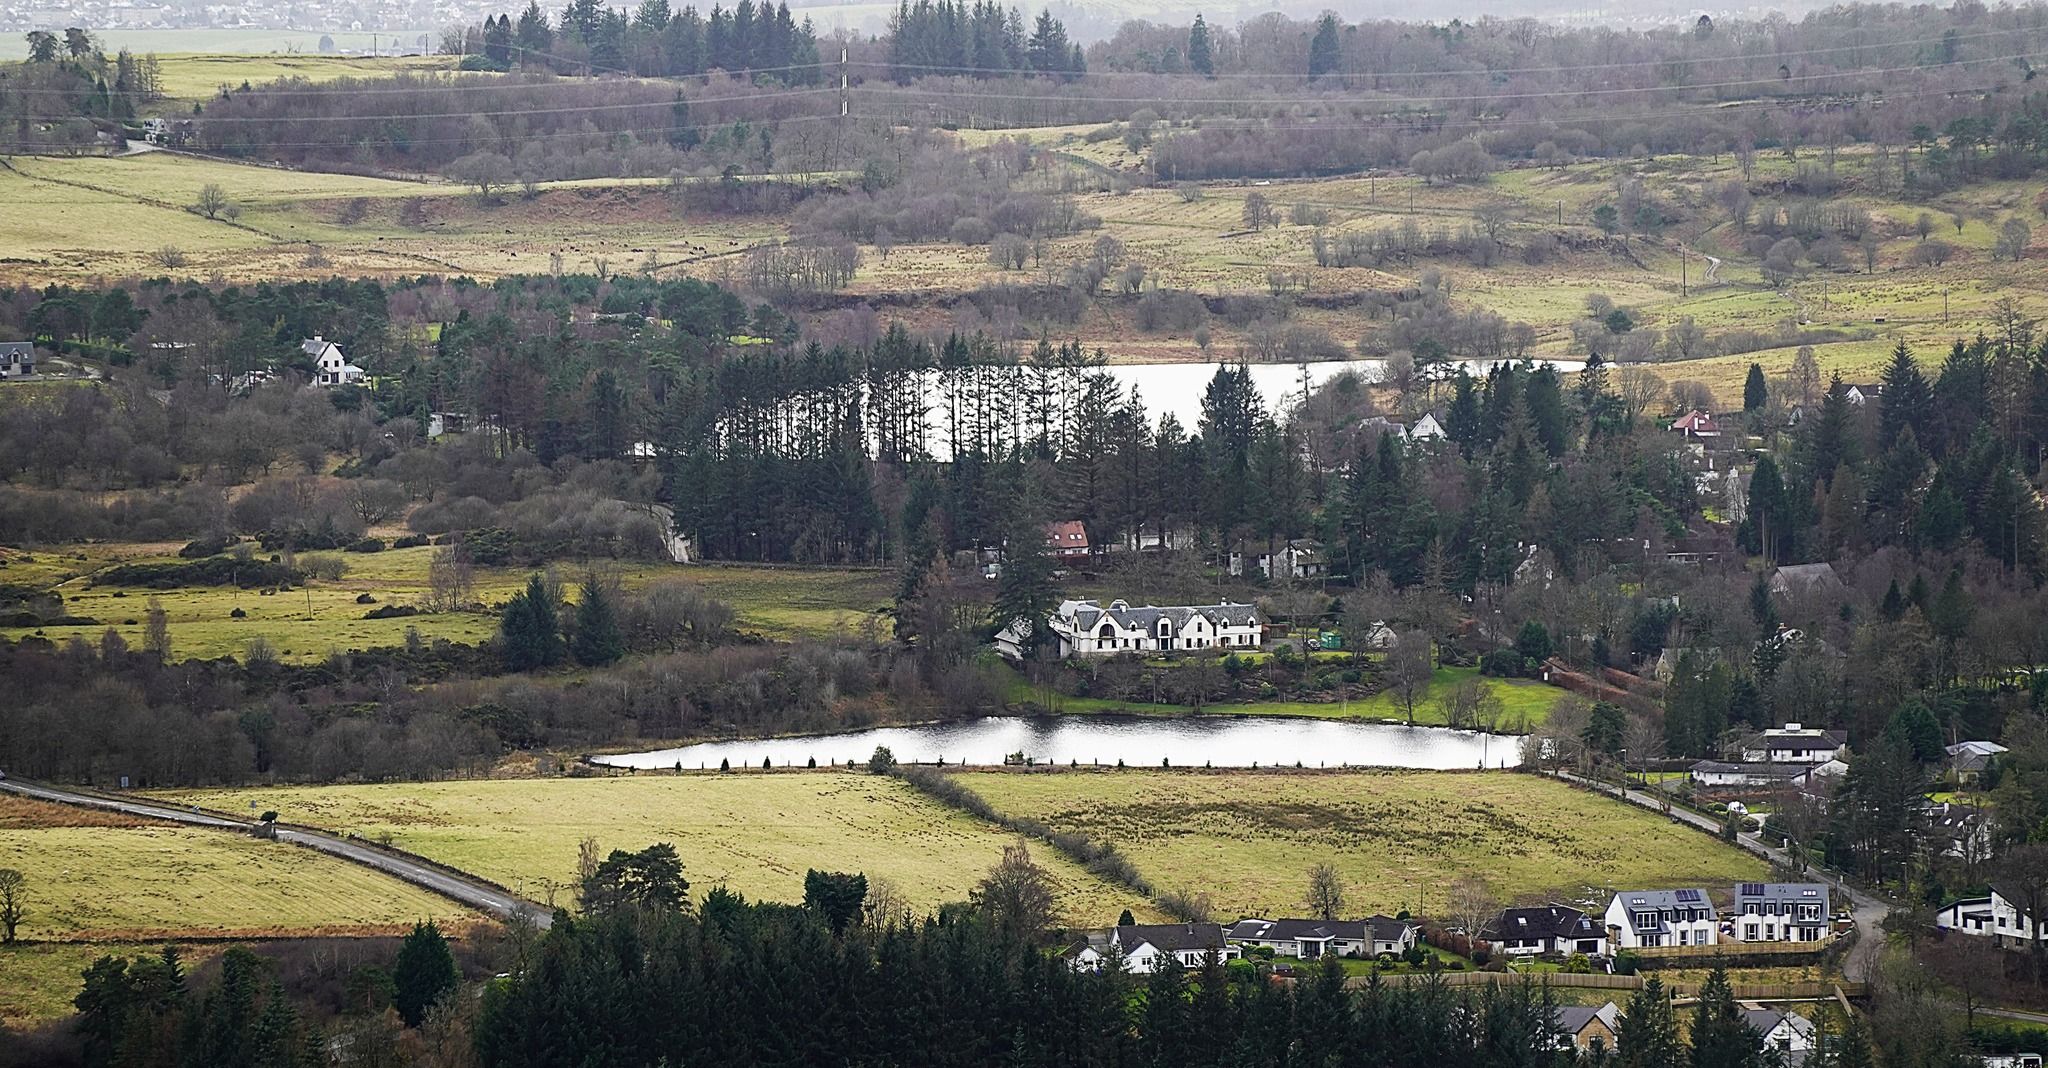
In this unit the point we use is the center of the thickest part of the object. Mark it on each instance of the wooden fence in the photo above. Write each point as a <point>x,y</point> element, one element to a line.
<point>1817,990</point>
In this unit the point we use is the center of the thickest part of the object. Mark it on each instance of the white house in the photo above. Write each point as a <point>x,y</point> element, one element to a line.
<point>1781,912</point>
<point>1716,774</point>
<point>1085,628</point>
<point>1966,760</point>
<point>1146,948</point>
<point>1638,919</point>
<point>1310,939</point>
<point>331,368</point>
<point>1789,1033</point>
<point>1971,916</point>
<point>1426,429</point>
<point>1794,744</point>
<point>1545,930</point>
<point>1300,558</point>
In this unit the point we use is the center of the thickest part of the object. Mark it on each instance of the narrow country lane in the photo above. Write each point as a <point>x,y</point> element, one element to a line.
<point>466,889</point>
<point>1861,959</point>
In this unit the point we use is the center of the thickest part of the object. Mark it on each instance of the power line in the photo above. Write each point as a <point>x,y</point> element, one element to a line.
<point>1475,72</point>
<point>787,94</point>
<point>939,95</point>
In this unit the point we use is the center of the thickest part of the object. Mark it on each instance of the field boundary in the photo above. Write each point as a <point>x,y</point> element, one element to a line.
<point>1809,990</point>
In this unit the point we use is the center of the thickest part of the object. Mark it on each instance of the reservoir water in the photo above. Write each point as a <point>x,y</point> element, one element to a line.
<point>1138,741</point>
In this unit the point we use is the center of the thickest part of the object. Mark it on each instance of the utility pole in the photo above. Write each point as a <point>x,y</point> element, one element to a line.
<point>1684,289</point>
<point>1560,213</point>
<point>1944,304</point>
<point>845,100</point>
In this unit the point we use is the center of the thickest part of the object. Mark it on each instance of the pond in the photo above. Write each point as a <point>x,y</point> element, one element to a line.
<point>1138,741</point>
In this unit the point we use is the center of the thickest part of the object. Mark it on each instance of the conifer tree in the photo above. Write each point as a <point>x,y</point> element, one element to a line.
<point>528,631</point>
<point>423,973</point>
<point>1755,391</point>
<point>1201,57</point>
<point>597,640</point>
<point>1325,52</point>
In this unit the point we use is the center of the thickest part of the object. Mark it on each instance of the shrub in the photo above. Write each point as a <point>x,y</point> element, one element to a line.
<point>1502,664</point>
<point>364,598</point>
<point>204,547</point>
<point>392,611</point>
<point>411,541</point>
<point>320,566</point>
<point>366,545</point>
<point>238,614</point>
<point>212,571</point>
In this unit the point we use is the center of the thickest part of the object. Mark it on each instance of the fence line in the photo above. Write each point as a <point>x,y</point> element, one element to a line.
<point>1810,990</point>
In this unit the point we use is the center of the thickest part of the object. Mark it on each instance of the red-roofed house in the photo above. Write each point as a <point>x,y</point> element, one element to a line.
<point>1067,539</point>
<point>1697,424</point>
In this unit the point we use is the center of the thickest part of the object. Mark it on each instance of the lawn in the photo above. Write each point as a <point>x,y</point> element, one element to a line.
<point>94,877</point>
<point>1396,838</point>
<point>754,833</point>
<point>321,617</point>
<point>1524,703</point>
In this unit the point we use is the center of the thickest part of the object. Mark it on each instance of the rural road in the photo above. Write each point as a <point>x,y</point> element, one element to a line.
<point>450,884</point>
<point>1861,959</point>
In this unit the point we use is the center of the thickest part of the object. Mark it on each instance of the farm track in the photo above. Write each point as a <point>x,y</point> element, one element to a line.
<point>458,886</point>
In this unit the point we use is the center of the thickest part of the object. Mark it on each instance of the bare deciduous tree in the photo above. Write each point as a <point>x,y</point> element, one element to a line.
<point>13,902</point>
<point>1325,898</point>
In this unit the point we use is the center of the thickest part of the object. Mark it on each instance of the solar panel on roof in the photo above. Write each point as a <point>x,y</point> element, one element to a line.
<point>1752,889</point>
<point>1688,895</point>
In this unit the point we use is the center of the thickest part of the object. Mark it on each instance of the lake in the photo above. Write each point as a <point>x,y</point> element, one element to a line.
<point>1138,741</point>
<point>1178,387</point>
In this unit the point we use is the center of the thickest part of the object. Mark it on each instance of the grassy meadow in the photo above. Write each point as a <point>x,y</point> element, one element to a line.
<point>323,616</point>
<point>754,833</point>
<point>1396,838</point>
<point>99,876</point>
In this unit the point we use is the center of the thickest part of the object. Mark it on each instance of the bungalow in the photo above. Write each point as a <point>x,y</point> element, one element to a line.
<point>1145,948</point>
<point>1067,540</point>
<point>1794,744</point>
<point>1085,628</point>
<point>17,359</point>
<point>1652,918</point>
<point>1717,774</point>
<point>1782,912</point>
<point>1579,1026</point>
<point>1788,1033</point>
<point>1311,939</point>
<point>1967,760</point>
<point>1971,916</point>
<point>1861,393</point>
<point>330,367</point>
<point>1544,930</point>
<point>1804,580</point>
<point>1697,424</point>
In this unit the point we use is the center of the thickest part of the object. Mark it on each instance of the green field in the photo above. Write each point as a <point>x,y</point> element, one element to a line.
<point>754,833</point>
<point>320,617</point>
<point>1524,703</point>
<point>95,878</point>
<point>1397,838</point>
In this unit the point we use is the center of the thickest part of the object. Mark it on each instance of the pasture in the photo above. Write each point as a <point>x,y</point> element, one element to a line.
<point>101,877</point>
<point>321,617</point>
<point>754,833</point>
<point>1397,839</point>
<point>1524,703</point>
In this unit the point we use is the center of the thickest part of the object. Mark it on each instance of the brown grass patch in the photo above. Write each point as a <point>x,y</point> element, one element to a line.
<point>22,813</point>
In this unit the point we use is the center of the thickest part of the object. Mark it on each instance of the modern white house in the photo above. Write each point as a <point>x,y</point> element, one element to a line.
<point>1545,930</point>
<point>1311,939</point>
<point>1782,912</point>
<point>330,366</point>
<point>1426,429</point>
<point>1794,744</point>
<point>1718,774</point>
<point>1143,948</point>
<point>1970,916</point>
<point>1086,628</point>
<point>1649,919</point>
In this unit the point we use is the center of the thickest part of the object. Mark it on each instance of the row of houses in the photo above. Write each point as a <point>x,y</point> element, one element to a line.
<point>1659,919</point>
<point>1148,947</point>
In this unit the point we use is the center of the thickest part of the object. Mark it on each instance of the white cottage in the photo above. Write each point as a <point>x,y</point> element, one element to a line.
<point>1638,919</point>
<point>330,366</point>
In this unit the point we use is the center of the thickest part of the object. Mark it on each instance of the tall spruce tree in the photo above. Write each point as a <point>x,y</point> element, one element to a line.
<point>1907,400</point>
<point>597,639</point>
<point>1755,391</point>
<point>529,632</point>
<point>1201,54</point>
<point>423,973</point>
<point>1325,51</point>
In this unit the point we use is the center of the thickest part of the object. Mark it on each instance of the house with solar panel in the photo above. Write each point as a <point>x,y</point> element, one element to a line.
<point>1782,912</point>
<point>1652,919</point>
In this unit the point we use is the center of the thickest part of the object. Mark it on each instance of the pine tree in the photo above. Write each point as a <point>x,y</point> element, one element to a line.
<point>597,640</point>
<point>1755,391</point>
<point>1721,1038</point>
<point>1026,589</point>
<point>423,973</point>
<point>528,631</point>
<point>1907,399</point>
<point>1201,59</point>
<point>1647,1036</point>
<point>1325,53</point>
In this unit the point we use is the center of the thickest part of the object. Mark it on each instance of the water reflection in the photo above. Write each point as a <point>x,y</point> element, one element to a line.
<point>1137,741</point>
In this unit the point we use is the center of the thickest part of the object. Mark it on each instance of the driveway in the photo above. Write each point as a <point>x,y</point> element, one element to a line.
<point>1861,960</point>
<point>465,889</point>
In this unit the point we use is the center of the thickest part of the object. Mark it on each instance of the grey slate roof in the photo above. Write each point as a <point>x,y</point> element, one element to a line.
<point>1540,922</point>
<point>1374,928</point>
<point>1781,893</point>
<point>1755,771</point>
<point>1147,618</point>
<point>1171,937</point>
<point>1662,902</point>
